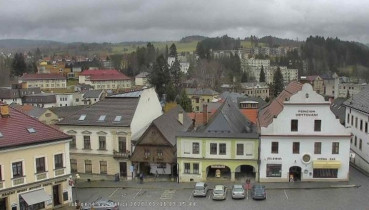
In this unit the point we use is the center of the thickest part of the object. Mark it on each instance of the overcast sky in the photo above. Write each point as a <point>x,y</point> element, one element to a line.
<point>160,20</point>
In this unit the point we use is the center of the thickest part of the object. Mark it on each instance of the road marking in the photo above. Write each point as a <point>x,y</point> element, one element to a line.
<point>167,194</point>
<point>137,194</point>
<point>209,197</point>
<point>113,192</point>
<point>285,193</point>
<point>189,198</point>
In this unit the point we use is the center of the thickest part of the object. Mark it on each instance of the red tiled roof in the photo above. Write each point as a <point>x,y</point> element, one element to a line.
<point>100,75</point>
<point>267,114</point>
<point>14,131</point>
<point>199,117</point>
<point>42,76</point>
<point>250,114</point>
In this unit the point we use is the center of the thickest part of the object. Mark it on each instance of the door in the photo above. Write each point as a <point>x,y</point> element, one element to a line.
<point>56,195</point>
<point>3,203</point>
<point>123,169</point>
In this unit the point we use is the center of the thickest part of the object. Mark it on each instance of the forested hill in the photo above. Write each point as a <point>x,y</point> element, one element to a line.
<point>218,43</point>
<point>272,41</point>
<point>323,54</point>
<point>25,43</point>
<point>192,38</point>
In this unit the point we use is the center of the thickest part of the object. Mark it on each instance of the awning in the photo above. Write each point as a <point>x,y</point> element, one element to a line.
<point>326,164</point>
<point>34,197</point>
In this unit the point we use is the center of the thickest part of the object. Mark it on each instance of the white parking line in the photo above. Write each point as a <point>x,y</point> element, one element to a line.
<point>137,193</point>
<point>189,198</point>
<point>113,192</point>
<point>285,193</point>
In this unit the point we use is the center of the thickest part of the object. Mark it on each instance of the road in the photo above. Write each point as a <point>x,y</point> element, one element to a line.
<point>336,198</point>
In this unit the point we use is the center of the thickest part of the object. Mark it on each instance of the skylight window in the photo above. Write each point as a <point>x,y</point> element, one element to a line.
<point>117,118</point>
<point>82,117</point>
<point>31,130</point>
<point>1,135</point>
<point>102,117</point>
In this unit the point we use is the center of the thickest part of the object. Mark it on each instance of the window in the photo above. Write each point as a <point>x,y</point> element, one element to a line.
<point>122,144</point>
<point>361,125</point>
<point>274,170</point>
<point>352,120</point>
<point>317,125</point>
<point>160,153</point>
<point>31,130</point>
<point>187,168</point>
<point>102,118</point>
<point>325,173</point>
<point>294,125</point>
<point>348,118</point>
<point>1,176</point>
<point>222,149</point>
<point>117,118</point>
<point>195,168</point>
<point>86,142</point>
<point>239,149</point>
<point>360,144</point>
<point>88,166</point>
<point>102,142</point>
<point>58,161</point>
<point>318,148</point>
<point>195,148</point>
<point>82,117</point>
<point>73,165</point>
<point>296,147</point>
<point>17,169</point>
<point>40,165</point>
<point>103,167</point>
<point>213,148</point>
<point>72,144</point>
<point>355,122</point>
<point>366,127</point>
<point>275,147</point>
<point>355,141</point>
<point>335,147</point>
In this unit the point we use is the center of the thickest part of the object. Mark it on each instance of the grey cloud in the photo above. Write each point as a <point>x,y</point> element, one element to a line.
<point>134,20</point>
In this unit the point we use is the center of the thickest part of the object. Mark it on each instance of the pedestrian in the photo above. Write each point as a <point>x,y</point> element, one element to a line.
<point>141,178</point>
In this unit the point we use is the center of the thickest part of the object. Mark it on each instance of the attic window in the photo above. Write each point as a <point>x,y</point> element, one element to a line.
<point>1,135</point>
<point>82,117</point>
<point>31,130</point>
<point>102,117</point>
<point>117,118</point>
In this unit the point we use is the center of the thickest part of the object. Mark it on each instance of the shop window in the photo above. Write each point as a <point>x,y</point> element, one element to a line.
<point>275,147</point>
<point>325,173</point>
<point>294,125</point>
<point>274,170</point>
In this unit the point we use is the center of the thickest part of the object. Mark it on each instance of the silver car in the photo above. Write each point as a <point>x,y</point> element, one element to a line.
<point>201,189</point>
<point>101,204</point>
<point>219,192</point>
<point>238,192</point>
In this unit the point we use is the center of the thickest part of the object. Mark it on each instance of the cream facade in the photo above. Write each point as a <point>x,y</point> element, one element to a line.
<point>46,83</point>
<point>48,183</point>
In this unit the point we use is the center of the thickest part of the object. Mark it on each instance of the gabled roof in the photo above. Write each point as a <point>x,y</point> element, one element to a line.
<point>9,93</point>
<point>41,76</point>
<point>196,91</point>
<point>338,108</point>
<point>15,132</point>
<point>267,114</point>
<point>103,75</point>
<point>41,98</point>
<point>359,101</point>
<point>92,94</point>
<point>65,111</point>
<point>30,110</point>
<point>111,107</point>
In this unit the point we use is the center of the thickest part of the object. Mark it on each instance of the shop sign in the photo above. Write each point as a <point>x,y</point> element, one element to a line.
<point>274,158</point>
<point>306,113</point>
<point>7,193</point>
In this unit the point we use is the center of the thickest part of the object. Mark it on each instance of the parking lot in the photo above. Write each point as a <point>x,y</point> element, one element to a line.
<point>143,198</point>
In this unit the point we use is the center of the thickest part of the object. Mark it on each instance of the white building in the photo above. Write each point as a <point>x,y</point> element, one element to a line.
<point>64,99</point>
<point>357,119</point>
<point>288,74</point>
<point>301,139</point>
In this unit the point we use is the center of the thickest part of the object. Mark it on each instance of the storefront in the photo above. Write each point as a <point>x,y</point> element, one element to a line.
<point>325,169</point>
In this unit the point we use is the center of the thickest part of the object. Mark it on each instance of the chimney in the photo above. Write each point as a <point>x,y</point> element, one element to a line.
<point>4,110</point>
<point>180,117</point>
<point>205,113</point>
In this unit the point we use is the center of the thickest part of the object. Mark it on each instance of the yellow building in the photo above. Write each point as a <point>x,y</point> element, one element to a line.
<point>200,96</point>
<point>58,68</point>
<point>43,81</point>
<point>34,163</point>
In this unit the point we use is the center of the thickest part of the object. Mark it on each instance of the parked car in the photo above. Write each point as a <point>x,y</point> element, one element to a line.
<point>219,192</point>
<point>101,204</point>
<point>201,189</point>
<point>238,191</point>
<point>258,192</point>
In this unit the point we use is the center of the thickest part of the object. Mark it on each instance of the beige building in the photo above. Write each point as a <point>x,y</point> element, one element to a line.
<point>256,89</point>
<point>201,96</point>
<point>104,133</point>
<point>141,79</point>
<point>34,163</point>
<point>43,81</point>
<point>105,79</point>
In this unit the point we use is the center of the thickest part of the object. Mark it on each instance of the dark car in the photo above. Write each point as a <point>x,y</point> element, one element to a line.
<point>258,192</point>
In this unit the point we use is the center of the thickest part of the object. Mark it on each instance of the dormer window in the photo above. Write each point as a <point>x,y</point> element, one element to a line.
<point>31,130</point>
<point>117,118</point>
<point>102,118</point>
<point>82,117</point>
<point>1,135</point>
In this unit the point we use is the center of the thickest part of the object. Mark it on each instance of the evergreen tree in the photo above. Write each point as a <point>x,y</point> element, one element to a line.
<point>151,54</point>
<point>184,101</point>
<point>19,66</point>
<point>160,76</point>
<point>244,77</point>
<point>166,52</point>
<point>262,74</point>
<point>278,83</point>
<point>176,74</point>
<point>173,51</point>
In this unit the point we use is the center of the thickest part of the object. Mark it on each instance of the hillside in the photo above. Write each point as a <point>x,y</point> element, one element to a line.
<point>196,38</point>
<point>26,43</point>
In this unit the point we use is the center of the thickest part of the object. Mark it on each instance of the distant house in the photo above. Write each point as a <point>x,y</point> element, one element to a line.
<point>42,114</point>
<point>141,79</point>
<point>200,96</point>
<point>43,81</point>
<point>16,93</point>
<point>155,151</point>
<point>93,96</point>
<point>105,79</point>
<point>256,89</point>
<point>45,100</point>
<point>316,81</point>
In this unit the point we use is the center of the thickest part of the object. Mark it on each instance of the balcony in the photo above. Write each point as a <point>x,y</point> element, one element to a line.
<point>123,155</point>
<point>41,176</point>
<point>18,181</point>
<point>59,172</point>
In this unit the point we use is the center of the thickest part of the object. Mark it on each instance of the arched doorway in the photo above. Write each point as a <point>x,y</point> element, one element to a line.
<point>245,172</point>
<point>295,174</point>
<point>218,172</point>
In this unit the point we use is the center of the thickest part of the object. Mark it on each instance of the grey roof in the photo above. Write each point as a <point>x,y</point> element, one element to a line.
<point>92,94</point>
<point>34,111</point>
<point>253,84</point>
<point>359,101</point>
<point>111,107</point>
<point>41,98</point>
<point>142,75</point>
<point>8,93</point>
<point>227,121</point>
<point>231,95</point>
<point>134,94</point>
<point>65,111</point>
<point>169,125</point>
<point>197,91</point>
<point>338,109</point>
